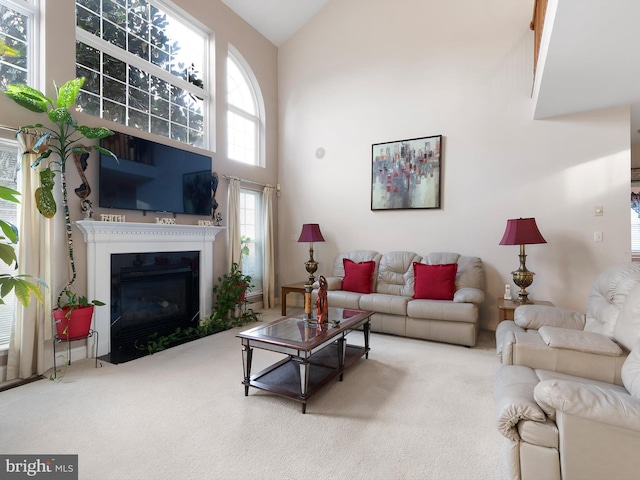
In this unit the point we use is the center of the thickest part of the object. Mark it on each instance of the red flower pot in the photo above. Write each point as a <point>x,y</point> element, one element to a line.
<point>74,326</point>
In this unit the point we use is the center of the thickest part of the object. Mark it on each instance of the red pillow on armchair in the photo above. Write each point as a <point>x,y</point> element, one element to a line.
<point>435,282</point>
<point>358,277</point>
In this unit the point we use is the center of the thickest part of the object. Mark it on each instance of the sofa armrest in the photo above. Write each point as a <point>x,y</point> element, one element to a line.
<point>536,316</point>
<point>468,295</point>
<point>333,283</point>
<point>593,402</point>
<point>513,399</point>
<point>505,338</point>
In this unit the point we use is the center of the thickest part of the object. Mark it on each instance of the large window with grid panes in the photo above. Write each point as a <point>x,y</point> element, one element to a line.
<point>145,63</point>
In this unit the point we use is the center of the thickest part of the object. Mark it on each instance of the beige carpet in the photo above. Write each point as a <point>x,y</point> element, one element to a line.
<point>413,410</point>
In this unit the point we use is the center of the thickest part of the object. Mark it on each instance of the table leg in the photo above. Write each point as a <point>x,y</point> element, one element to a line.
<point>283,302</point>
<point>367,329</point>
<point>304,382</point>
<point>342,350</point>
<point>247,354</point>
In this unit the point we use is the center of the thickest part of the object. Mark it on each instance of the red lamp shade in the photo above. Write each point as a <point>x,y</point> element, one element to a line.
<point>311,233</point>
<point>522,231</point>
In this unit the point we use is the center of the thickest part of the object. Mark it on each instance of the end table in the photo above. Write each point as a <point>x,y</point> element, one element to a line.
<point>507,307</point>
<point>294,287</point>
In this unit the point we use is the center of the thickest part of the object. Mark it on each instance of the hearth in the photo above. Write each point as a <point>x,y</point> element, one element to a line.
<point>151,293</point>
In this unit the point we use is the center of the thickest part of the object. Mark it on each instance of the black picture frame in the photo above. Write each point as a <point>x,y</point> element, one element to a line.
<point>406,174</point>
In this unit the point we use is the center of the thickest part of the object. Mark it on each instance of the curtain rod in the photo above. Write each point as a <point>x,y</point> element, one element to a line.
<point>229,177</point>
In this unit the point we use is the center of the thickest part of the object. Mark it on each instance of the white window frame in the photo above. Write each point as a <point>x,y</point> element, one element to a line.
<point>31,9</point>
<point>11,303</point>
<point>148,67</point>
<point>257,240</point>
<point>259,118</point>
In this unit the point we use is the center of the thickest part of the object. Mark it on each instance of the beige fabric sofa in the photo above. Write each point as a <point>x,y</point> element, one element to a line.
<point>396,312</point>
<point>592,345</point>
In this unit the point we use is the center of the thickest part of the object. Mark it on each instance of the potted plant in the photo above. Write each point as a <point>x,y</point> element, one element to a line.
<point>21,285</point>
<point>56,145</point>
<point>73,316</point>
<point>230,295</point>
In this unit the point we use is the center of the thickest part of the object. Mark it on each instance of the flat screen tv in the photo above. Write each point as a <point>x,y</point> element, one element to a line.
<point>154,177</point>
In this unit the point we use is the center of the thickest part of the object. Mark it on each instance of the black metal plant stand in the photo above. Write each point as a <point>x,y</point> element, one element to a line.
<point>57,339</point>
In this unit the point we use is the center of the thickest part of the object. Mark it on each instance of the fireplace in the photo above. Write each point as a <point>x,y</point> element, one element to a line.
<point>151,293</point>
<point>106,239</point>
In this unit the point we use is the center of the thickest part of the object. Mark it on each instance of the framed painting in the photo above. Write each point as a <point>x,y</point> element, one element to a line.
<point>406,174</point>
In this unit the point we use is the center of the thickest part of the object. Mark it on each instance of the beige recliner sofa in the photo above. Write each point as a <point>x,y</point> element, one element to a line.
<point>563,426</point>
<point>392,289</point>
<point>593,345</point>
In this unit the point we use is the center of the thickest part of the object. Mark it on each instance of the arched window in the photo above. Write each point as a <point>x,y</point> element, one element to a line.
<point>244,113</point>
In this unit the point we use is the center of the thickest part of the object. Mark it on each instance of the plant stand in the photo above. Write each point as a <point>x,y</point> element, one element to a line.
<point>68,340</point>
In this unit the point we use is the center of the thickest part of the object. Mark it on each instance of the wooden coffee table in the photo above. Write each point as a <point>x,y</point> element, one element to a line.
<point>316,353</point>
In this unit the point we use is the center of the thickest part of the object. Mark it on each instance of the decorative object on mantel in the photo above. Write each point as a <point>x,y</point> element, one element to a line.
<point>406,174</point>
<point>87,209</point>
<point>311,233</point>
<point>166,220</point>
<point>55,146</point>
<point>205,223</point>
<point>522,231</point>
<point>218,218</point>
<point>214,188</point>
<point>108,217</point>
<point>322,304</point>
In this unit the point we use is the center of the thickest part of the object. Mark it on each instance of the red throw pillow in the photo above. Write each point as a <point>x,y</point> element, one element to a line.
<point>435,282</point>
<point>358,277</point>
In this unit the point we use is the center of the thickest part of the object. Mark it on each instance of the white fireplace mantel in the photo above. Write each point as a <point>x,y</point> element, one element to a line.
<point>106,238</point>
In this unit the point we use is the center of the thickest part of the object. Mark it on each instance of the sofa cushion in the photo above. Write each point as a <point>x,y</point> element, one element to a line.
<point>342,299</point>
<point>442,310</point>
<point>358,277</point>
<point>356,256</point>
<point>395,273</point>
<point>382,303</point>
<point>435,282</point>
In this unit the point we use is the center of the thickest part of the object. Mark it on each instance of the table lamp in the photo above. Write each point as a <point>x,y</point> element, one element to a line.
<point>311,233</point>
<point>522,231</point>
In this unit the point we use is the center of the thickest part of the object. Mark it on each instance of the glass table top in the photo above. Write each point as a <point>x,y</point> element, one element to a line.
<point>297,328</point>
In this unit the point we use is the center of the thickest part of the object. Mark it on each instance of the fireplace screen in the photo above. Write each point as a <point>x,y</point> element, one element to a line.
<point>153,293</point>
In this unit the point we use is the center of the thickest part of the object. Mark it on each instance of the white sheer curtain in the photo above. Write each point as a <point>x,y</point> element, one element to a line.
<point>32,325</point>
<point>235,247</point>
<point>268,270</point>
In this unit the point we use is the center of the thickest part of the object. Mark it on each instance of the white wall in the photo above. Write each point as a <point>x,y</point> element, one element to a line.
<point>371,71</point>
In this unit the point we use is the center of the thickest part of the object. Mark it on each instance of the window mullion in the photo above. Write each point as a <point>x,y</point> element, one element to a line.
<point>131,59</point>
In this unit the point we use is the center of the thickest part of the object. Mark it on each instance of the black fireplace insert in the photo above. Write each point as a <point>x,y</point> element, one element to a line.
<point>151,293</point>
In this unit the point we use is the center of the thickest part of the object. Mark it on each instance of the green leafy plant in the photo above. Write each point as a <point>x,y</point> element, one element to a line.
<point>74,301</point>
<point>22,285</point>
<point>230,295</point>
<point>55,146</point>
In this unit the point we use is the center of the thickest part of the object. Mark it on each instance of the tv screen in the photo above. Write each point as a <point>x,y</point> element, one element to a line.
<point>153,177</point>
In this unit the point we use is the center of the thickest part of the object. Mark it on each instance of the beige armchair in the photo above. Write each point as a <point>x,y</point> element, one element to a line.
<point>592,345</point>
